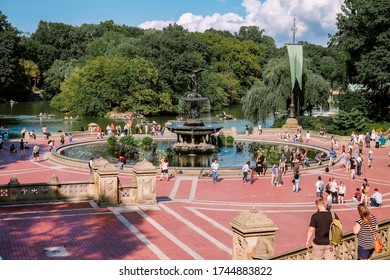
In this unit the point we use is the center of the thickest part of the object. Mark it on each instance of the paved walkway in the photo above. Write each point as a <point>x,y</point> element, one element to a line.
<point>190,221</point>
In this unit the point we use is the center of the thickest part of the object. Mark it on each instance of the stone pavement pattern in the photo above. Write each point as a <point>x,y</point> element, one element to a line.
<point>190,221</point>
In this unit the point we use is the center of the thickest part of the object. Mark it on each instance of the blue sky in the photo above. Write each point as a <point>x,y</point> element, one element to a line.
<point>315,18</point>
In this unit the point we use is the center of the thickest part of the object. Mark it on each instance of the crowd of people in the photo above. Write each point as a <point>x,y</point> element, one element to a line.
<point>355,156</point>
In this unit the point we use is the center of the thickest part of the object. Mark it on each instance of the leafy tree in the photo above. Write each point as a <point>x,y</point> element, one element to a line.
<point>351,121</point>
<point>175,52</point>
<point>240,58</point>
<point>112,44</point>
<point>253,33</point>
<point>57,74</point>
<point>364,34</point>
<point>105,83</point>
<point>13,81</point>
<point>354,100</point>
<point>31,70</point>
<point>213,87</point>
<point>273,93</point>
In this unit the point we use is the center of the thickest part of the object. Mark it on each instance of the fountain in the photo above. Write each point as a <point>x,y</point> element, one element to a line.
<point>193,136</point>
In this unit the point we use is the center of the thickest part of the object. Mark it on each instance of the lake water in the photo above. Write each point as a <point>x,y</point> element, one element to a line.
<point>17,116</point>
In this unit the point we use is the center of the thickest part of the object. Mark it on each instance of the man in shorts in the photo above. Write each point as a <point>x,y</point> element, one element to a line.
<point>319,228</point>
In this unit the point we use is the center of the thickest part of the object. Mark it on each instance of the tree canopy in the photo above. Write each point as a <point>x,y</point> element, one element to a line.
<point>364,34</point>
<point>13,80</point>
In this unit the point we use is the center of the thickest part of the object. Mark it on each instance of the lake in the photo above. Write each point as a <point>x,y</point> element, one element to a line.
<point>17,116</point>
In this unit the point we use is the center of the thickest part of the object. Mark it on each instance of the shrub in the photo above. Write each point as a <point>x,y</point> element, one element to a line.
<point>147,142</point>
<point>229,141</point>
<point>127,140</point>
<point>112,141</point>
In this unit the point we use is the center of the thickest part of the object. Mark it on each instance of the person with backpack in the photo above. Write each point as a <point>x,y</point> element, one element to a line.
<point>319,187</point>
<point>319,227</point>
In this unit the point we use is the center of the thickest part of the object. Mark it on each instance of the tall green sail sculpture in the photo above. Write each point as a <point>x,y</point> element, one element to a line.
<point>295,55</point>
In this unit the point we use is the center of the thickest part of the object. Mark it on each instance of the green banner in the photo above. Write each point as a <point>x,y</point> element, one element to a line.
<point>295,55</point>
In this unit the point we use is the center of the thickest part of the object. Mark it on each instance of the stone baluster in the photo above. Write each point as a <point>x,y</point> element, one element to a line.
<point>253,236</point>
<point>106,182</point>
<point>145,179</point>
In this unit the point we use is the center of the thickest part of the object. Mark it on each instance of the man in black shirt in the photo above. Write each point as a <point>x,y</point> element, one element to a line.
<point>319,227</point>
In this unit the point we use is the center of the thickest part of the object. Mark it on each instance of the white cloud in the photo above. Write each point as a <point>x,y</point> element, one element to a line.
<point>314,18</point>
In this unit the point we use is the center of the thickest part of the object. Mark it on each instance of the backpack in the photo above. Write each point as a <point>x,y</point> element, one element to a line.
<point>335,231</point>
<point>321,187</point>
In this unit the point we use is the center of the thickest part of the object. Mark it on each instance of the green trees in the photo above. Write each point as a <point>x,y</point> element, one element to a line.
<point>112,82</point>
<point>13,81</point>
<point>272,94</point>
<point>364,34</point>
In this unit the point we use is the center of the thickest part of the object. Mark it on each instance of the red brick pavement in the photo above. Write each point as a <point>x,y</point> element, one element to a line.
<point>191,220</point>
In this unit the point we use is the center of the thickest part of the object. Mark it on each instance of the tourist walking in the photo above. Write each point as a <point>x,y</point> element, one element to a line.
<point>342,192</point>
<point>329,200</point>
<point>164,168</point>
<point>274,173</point>
<point>365,192</point>
<point>21,146</point>
<point>245,169</point>
<point>280,172</point>
<point>365,227</point>
<point>214,170</point>
<point>370,158</point>
<point>295,181</point>
<point>359,165</point>
<point>333,189</point>
<point>35,153</point>
<point>352,167</point>
<point>319,187</point>
<point>319,228</point>
<point>332,156</point>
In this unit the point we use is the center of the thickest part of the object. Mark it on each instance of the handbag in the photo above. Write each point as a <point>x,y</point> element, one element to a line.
<point>378,244</point>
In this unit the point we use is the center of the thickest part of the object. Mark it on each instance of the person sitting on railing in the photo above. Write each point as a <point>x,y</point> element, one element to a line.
<point>122,161</point>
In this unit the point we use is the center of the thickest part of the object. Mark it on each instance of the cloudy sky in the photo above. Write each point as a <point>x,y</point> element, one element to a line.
<point>315,18</point>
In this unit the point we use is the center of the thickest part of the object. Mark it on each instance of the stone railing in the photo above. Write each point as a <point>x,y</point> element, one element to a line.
<point>103,186</point>
<point>254,232</point>
<point>14,192</point>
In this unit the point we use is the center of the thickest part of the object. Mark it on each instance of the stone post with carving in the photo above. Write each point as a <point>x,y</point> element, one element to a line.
<point>107,182</point>
<point>253,236</point>
<point>145,182</point>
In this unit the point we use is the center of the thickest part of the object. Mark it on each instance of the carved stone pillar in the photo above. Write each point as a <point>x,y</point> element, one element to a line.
<point>13,192</point>
<point>96,165</point>
<point>145,180</point>
<point>107,179</point>
<point>253,235</point>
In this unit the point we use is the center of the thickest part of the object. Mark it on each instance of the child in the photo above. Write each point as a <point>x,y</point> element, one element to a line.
<point>164,168</point>
<point>370,158</point>
<point>122,161</point>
